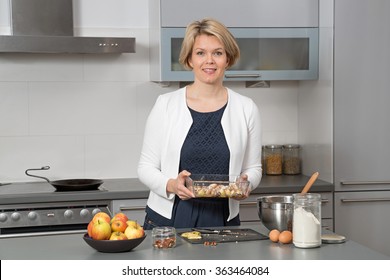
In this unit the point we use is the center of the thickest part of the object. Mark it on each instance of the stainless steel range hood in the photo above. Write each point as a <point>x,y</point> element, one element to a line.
<point>46,26</point>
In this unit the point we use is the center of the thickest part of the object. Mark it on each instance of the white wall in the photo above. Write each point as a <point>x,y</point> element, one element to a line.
<point>84,115</point>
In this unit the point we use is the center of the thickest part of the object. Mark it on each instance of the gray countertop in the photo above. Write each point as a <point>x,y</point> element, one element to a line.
<point>132,188</point>
<point>73,247</point>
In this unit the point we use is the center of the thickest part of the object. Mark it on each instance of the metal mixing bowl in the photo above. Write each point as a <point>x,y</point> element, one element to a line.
<point>276,211</point>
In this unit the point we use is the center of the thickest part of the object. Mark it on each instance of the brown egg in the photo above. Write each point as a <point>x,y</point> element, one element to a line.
<point>285,237</point>
<point>274,235</point>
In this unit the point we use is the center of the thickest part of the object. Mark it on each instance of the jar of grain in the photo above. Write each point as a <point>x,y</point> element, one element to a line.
<point>291,159</point>
<point>273,159</point>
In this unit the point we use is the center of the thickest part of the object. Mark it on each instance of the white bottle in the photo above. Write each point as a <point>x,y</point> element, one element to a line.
<point>307,220</point>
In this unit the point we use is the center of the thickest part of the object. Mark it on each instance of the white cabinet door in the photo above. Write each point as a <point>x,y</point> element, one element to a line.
<point>364,217</point>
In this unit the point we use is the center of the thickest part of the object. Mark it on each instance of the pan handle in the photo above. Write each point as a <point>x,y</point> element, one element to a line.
<point>40,177</point>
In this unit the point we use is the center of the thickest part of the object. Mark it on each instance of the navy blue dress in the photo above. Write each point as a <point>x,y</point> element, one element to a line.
<point>204,151</point>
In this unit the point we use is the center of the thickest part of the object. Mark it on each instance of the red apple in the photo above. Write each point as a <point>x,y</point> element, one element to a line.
<point>118,236</point>
<point>132,232</point>
<point>101,230</point>
<point>101,216</point>
<point>89,228</point>
<point>118,225</point>
<point>119,216</point>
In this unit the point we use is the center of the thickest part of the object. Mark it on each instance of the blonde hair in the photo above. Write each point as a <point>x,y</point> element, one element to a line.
<point>209,27</point>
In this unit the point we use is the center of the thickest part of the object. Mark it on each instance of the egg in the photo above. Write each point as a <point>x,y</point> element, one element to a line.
<point>274,235</point>
<point>285,237</point>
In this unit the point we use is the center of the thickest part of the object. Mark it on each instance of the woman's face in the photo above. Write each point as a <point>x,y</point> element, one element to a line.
<point>208,59</point>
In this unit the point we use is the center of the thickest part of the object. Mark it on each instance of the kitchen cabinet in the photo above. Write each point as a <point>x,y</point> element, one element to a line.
<point>361,121</point>
<point>363,217</point>
<point>281,47</point>
<point>244,13</point>
<point>249,216</point>
<point>133,208</point>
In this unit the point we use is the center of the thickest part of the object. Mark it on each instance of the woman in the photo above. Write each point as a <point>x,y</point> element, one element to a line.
<point>203,128</point>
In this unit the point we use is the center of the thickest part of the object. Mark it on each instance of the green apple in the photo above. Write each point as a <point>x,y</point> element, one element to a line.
<point>101,230</point>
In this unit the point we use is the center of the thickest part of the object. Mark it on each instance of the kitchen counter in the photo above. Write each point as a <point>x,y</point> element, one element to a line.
<point>73,247</point>
<point>132,188</point>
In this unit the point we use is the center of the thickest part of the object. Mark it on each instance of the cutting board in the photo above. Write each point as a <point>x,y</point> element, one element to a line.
<point>244,234</point>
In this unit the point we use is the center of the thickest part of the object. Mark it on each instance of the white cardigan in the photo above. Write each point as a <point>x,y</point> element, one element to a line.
<point>166,129</point>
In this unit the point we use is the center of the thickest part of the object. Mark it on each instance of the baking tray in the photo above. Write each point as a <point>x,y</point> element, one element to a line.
<point>244,234</point>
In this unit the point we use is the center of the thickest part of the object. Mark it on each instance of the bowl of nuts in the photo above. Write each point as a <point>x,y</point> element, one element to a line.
<point>164,237</point>
<point>217,186</point>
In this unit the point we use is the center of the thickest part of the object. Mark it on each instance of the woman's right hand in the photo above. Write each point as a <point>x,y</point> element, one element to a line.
<point>177,186</point>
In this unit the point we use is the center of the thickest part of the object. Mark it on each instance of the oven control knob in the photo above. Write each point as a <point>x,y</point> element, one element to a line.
<point>84,213</point>
<point>32,215</point>
<point>95,211</point>
<point>68,214</point>
<point>3,217</point>
<point>15,216</point>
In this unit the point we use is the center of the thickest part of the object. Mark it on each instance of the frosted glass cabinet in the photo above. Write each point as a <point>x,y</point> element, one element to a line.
<point>266,54</point>
<point>278,39</point>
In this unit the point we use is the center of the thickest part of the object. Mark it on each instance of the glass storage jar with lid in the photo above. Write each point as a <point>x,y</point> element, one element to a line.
<point>291,159</point>
<point>307,220</point>
<point>273,159</point>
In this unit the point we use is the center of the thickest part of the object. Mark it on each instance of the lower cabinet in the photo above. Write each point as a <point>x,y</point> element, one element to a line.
<point>364,217</point>
<point>249,216</point>
<point>133,208</point>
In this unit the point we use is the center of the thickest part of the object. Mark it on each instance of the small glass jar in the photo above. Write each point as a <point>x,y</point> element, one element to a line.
<point>291,159</point>
<point>164,237</point>
<point>307,220</point>
<point>273,159</point>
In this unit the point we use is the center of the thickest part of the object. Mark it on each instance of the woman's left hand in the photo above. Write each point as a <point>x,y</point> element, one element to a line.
<point>242,178</point>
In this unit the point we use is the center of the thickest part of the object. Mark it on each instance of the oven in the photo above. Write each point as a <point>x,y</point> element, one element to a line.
<point>49,218</point>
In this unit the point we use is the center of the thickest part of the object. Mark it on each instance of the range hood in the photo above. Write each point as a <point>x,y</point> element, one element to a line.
<point>46,26</point>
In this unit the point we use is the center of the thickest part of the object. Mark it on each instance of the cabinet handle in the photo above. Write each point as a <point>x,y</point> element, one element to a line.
<point>235,76</point>
<point>364,183</point>
<point>134,208</point>
<point>324,200</point>
<point>365,200</point>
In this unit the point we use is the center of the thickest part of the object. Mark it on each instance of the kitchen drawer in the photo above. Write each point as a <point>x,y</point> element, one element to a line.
<point>133,208</point>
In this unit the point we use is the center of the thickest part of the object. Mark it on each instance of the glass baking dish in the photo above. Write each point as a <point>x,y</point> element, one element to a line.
<point>217,186</point>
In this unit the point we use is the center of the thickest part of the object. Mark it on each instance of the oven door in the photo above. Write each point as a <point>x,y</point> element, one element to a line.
<point>48,218</point>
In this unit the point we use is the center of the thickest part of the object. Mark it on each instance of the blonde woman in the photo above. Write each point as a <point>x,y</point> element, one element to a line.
<point>204,128</point>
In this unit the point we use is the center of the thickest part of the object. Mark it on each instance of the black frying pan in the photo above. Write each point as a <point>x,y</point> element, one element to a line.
<point>69,184</point>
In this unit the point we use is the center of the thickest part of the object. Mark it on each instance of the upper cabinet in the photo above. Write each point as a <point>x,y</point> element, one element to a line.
<point>278,39</point>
